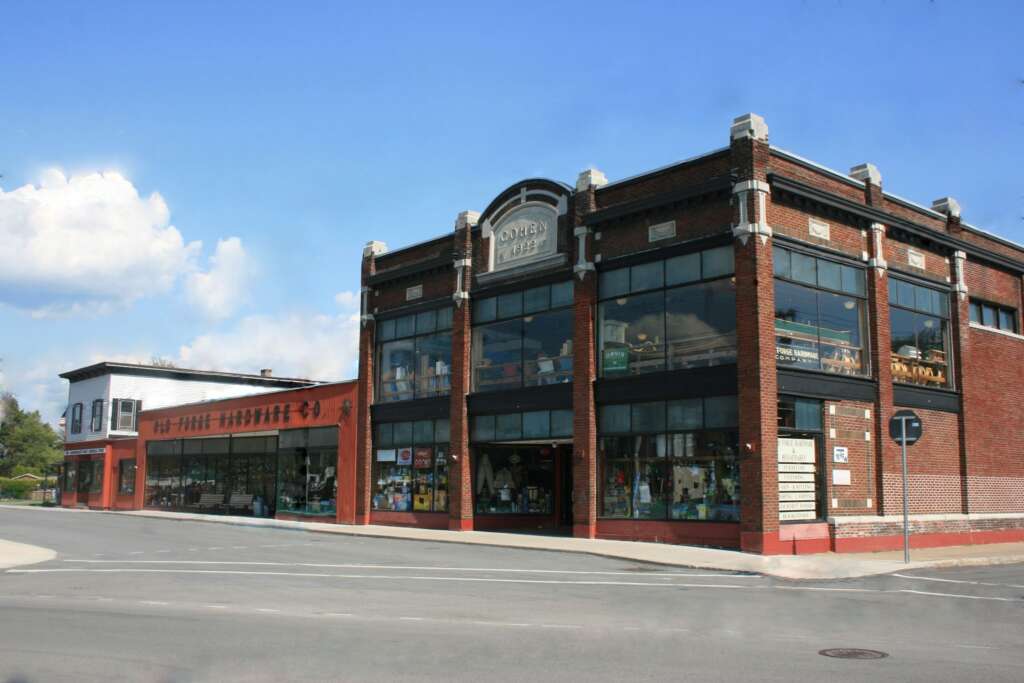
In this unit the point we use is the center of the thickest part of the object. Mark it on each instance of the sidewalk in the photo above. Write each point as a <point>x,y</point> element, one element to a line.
<point>822,566</point>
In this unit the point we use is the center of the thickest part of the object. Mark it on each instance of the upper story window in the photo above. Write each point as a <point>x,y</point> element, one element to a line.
<point>414,356</point>
<point>667,315</point>
<point>523,338</point>
<point>919,324</point>
<point>76,418</point>
<point>994,316</point>
<point>96,421</point>
<point>124,414</point>
<point>820,314</point>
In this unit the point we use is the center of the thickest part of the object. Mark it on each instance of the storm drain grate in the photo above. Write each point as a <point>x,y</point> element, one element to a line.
<point>852,653</point>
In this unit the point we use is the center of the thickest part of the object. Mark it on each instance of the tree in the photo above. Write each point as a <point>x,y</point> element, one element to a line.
<point>26,441</point>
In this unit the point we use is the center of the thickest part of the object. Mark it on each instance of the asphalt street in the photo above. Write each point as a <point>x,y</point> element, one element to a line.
<point>131,598</point>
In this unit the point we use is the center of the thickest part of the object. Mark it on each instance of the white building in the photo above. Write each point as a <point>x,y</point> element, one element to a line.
<point>104,399</point>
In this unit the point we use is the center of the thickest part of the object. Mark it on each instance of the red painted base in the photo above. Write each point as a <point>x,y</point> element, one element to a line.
<point>717,534</point>
<point>460,524</point>
<point>873,544</point>
<point>422,520</point>
<point>584,530</point>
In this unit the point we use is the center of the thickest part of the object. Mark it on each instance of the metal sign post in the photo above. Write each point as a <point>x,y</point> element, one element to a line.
<point>905,427</point>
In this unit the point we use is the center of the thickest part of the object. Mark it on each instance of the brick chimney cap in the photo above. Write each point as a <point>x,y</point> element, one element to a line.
<point>374,248</point>
<point>948,206</point>
<point>590,177</point>
<point>867,173</point>
<point>749,126</point>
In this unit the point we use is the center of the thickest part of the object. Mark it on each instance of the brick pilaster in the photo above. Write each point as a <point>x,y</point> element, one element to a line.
<point>755,333</point>
<point>879,337</point>
<point>584,369</point>
<point>460,486</point>
<point>364,428</point>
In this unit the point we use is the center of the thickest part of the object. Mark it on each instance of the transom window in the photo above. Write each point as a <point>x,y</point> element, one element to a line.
<point>414,356</point>
<point>993,315</point>
<point>918,320</point>
<point>672,314</point>
<point>820,314</point>
<point>523,338</point>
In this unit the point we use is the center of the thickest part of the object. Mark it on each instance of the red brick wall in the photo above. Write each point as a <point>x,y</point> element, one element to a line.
<point>845,424</point>
<point>631,236</point>
<point>675,177</point>
<point>818,179</point>
<point>792,222</point>
<point>933,465</point>
<point>937,267</point>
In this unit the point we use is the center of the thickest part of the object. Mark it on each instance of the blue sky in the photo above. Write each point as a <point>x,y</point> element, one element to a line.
<point>304,129</point>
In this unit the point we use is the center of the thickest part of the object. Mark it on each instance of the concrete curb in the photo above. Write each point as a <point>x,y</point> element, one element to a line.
<point>19,554</point>
<point>827,566</point>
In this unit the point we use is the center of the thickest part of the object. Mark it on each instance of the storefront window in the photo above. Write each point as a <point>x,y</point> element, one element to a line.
<point>820,322</point>
<point>70,476</point>
<point>672,460</point>
<point>514,480</point>
<point>690,324</point>
<point>411,466</point>
<point>532,346</point>
<point>415,355</point>
<point>538,424</point>
<point>163,474</point>
<point>307,476</point>
<point>90,476</point>
<point>918,322</point>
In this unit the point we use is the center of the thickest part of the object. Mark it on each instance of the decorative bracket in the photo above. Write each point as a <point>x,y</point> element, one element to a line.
<point>582,264</point>
<point>364,302</point>
<point>878,261</point>
<point>747,227</point>
<point>959,260</point>
<point>462,267</point>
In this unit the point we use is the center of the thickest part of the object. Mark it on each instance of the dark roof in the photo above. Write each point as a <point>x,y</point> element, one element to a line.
<point>185,374</point>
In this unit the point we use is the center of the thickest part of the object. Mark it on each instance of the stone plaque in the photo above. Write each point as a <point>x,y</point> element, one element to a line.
<point>524,235</point>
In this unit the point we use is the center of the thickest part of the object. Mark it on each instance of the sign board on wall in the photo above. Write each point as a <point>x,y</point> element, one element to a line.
<point>840,454</point>
<point>526,234</point>
<point>798,495</point>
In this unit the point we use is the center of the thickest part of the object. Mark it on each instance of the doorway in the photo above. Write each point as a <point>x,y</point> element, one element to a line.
<point>522,487</point>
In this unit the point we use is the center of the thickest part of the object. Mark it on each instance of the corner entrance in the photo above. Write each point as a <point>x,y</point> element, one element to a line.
<point>522,487</point>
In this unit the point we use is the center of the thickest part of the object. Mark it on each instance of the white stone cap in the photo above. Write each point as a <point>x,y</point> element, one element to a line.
<point>948,206</point>
<point>374,248</point>
<point>749,126</point>
<point>467,219</point>
<point>867,173</point>
<point>590,178</point>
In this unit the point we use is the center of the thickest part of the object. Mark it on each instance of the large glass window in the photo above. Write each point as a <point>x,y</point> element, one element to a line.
<point>307,472</point>
<point>523,338</point>
<point>919,330</point>
<point>414,356</point>
<point>90,476</point>
<point>70,476</point>
<point>672,314</point>
<point>410,468</point>
<point>163,474</point>
<point>670,460</point>
<point>820,314</point>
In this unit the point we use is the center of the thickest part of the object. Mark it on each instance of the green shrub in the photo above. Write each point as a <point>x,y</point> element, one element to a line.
<point>21,489</point>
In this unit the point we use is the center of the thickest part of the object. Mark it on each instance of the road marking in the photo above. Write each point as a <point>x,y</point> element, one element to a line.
<point>267,610</point>
<point>163,551</point>
<point>137,552</point>
<point>972,583</point>
<point>154,602</point>
<point>412,618</point>
<point>560,626</point>
<point>238,547</point>
<point>320,565</point>
<point>44,597</point>
<point>192,550</point>
<point>338,614</point>
<point>97,554</point>
<point>955,595</point>
<point>977,647</point>
<point>217,606</point>
<point>836,590</point>
<point>498,623</point>
<point>215,547</point>
<point>468,579</point>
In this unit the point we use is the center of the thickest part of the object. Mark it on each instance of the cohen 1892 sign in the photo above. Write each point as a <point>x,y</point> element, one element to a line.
<point>524,235</point>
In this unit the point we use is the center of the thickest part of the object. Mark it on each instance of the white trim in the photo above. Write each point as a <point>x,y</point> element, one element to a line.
<point>898,519</point>
<point>986,328</point>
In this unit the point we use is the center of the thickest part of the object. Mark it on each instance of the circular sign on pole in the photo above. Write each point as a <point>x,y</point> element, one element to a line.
<point>912,424</point>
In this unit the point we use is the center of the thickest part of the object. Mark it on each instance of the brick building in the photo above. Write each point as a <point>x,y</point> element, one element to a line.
<point>707,353</point>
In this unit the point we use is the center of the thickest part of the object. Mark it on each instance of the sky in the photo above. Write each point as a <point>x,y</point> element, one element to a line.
<point>194,181</point>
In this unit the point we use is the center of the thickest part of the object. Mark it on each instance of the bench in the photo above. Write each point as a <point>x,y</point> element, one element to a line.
<point>240,501</point>
<point>210,500</point>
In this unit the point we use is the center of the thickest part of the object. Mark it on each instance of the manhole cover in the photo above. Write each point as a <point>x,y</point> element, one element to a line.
<point>852,653</point>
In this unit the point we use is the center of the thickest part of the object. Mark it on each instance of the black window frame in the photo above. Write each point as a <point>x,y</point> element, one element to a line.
<point>440,445</point>
<point>96,418</point>
<point>76,418</point>
<point>517,299</point>
<point>387,332</point>
<point>604,296</point>
<point>817,287</point>
<point>943,315</point>
<point>998,311</point>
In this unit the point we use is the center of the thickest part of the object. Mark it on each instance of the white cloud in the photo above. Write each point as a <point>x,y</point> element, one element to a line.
<point>313,346</point>
<point>219,292</point>
<point>87,244</point>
